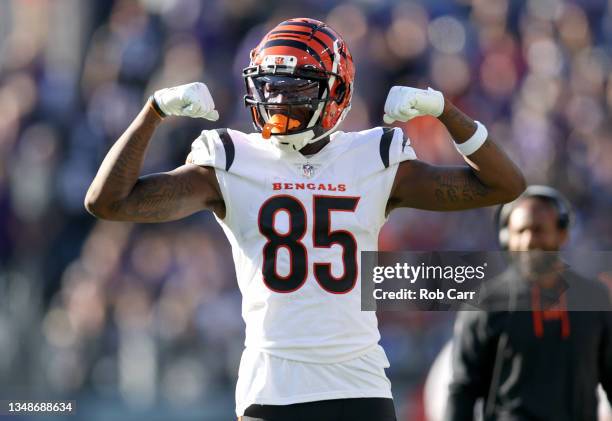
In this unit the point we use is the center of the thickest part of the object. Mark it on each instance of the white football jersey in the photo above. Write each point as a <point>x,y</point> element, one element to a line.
<point>297,226</point>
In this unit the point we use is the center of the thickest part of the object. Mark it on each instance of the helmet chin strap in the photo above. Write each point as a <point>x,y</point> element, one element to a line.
<point>295,142</point>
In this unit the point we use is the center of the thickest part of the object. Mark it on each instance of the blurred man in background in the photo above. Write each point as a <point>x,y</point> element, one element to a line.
<point>526,357</point>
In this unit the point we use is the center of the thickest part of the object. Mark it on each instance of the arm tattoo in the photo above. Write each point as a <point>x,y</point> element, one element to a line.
<point>117,193</point>
<point>157,198</point>
<point>118,175</point>
<point>458,188</point>
<point>127,164</point>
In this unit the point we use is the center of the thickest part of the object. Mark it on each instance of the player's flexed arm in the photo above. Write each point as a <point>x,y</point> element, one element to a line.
<point>489,178</point>
<point>118,193</point>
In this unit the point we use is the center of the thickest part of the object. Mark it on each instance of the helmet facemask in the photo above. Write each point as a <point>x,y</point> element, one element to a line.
<point>288,108</point>
<point>293,97</point>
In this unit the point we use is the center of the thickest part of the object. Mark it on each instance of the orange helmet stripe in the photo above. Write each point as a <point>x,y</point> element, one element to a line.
<point>289,33</point>
<point>280,42</point>
<point>321,28</point>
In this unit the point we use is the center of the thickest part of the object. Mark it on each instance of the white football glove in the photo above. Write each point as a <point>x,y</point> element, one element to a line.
<point>190,100</point>
<point>404,103</point>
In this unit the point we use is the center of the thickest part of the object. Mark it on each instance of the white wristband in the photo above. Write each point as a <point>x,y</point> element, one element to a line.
<point>475,142</point>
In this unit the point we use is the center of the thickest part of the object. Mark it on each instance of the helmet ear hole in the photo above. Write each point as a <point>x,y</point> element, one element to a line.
<point>340,92</point>
<point>329,114</point>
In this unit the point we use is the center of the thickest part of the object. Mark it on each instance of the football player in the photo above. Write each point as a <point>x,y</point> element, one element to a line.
<point>298,201</point>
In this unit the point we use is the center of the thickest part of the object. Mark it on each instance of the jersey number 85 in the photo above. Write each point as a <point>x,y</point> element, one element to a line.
<point>323,237</point>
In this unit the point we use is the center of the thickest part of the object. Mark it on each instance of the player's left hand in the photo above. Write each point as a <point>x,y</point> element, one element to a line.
<point>404,103</point>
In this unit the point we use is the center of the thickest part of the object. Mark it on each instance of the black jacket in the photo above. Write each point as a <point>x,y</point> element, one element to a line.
<point>533,365</point>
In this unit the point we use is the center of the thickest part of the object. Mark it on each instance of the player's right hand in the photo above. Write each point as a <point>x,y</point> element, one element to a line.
<point>190,100</point>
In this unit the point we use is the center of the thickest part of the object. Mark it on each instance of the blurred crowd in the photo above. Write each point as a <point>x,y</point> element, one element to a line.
<point>148,316</point>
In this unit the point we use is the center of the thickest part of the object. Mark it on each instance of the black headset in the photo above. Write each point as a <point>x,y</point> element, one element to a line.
<point>561,204</point>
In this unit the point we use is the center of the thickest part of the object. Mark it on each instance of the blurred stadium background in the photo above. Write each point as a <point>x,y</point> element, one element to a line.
<point>143,321</point>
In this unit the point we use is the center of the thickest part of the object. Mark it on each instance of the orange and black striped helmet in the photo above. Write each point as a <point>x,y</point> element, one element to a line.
<point>299,82</point>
